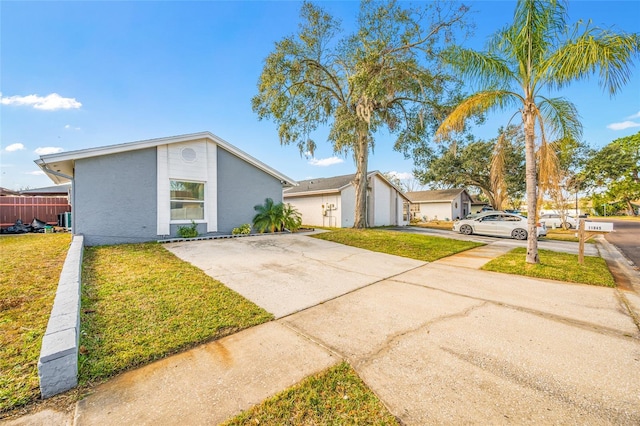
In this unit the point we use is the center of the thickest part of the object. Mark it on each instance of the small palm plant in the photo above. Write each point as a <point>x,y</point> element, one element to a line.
<point>268,216</point>
<point>274,217</point>
<point>291,218</point>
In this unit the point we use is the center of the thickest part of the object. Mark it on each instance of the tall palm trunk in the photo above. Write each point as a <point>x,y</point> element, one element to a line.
<point>528,118</point>
<point>361,153</point>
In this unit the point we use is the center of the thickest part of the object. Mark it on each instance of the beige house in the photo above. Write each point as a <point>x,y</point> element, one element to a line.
<point>331,201</point>
<point>445,204</point>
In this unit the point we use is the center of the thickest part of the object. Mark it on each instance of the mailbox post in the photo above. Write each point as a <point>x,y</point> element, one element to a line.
<point>587,230</point>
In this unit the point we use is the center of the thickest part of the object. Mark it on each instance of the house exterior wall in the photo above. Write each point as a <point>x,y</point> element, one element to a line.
<point>433,211</point>
<point>200,165</point>
<point>385,203</point>
<point>461,206</point>
<point>115,198</point>
<point>314,209</point>
<point>240,187</point>
<point>348,201</point>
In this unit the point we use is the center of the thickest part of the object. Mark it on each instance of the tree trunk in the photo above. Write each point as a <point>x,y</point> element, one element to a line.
<point>361,154</point>
<point>531,181</point>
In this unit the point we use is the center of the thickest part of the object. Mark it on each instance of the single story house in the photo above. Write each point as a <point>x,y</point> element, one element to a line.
<point>49,191</point>
<point>143,191</point>
<point>331,201</point>
<point>443,204</point>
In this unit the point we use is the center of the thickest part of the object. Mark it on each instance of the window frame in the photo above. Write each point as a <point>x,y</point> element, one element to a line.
<point>202,202</point>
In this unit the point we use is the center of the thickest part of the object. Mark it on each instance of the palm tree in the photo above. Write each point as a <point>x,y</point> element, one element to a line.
<point>268,216</point>
<point>539,52</point>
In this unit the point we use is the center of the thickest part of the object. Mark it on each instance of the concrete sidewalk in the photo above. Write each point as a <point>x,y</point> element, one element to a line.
<point>438,343</point>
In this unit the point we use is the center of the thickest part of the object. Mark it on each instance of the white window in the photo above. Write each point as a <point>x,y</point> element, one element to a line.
<point>187,200</point>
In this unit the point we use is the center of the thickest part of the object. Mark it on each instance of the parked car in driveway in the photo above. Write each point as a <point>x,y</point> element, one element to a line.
<point>552,220</point>
<point>499,224</point>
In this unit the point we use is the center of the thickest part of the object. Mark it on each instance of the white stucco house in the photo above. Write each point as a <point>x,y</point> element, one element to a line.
<point>444,204</point>
<point>331,201</point>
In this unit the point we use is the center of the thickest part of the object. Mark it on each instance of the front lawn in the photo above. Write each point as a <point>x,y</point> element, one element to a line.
<point>421,247</point>
<point>30,268</point>
<point>555,266</point>
<point>335,397</point>
<point>141,303</point>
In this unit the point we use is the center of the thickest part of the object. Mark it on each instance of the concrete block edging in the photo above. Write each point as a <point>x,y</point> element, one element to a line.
<point>58,362</point>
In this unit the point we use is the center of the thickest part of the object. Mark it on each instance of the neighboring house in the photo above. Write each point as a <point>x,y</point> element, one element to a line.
<point>445,204</point>
<point>143,191</point>
<point>477,205</point>
<point>49,191</point>
<point>45,204</point>
<point>331,201</point>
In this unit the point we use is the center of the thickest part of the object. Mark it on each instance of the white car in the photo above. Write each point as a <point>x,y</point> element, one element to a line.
<point>499,224</point>
<point>552,220</point>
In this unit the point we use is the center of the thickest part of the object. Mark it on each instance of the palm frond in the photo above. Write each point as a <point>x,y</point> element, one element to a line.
<point>486,69</point>
<point>478,103</point>
<point>561,118</point>
<point>550,175</point>
<point>497,172</point>
<point>594,51</point>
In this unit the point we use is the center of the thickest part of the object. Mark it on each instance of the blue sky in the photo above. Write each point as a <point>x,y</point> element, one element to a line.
<point>82,74</point>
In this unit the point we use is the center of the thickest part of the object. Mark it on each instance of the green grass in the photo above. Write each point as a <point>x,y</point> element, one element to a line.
<point>141,303</point>
<point>30,268</point>
<point>421,247</point>
<point>554,266</point>
<point>335,397</point>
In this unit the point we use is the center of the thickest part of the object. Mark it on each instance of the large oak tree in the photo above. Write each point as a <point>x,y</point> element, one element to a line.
<point>386,74</point>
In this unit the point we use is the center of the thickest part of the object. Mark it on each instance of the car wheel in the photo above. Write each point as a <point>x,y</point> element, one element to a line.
<point>568,225</point>
<point>466,230</point>
<point>519,234</point>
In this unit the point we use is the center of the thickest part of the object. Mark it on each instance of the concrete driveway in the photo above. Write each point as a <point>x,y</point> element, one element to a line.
<point>444,342</point>
<point>288,273</point>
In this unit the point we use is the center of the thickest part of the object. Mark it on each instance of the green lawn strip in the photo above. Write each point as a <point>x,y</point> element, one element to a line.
<point>141,303</point>
<point>30,268</point>
<point>555,266</point>
<point>335,397</point>
<point>421,247</point>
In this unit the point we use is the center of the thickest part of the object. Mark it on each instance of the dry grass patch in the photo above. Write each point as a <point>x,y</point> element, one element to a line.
<point>30,268</point>
<point>141,303</point>
<point>421,247</point>
<point>554,266</point>
<point>335,397</point>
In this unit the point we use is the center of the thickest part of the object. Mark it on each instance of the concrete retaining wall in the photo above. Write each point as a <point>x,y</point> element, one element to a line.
<point>58,363</point>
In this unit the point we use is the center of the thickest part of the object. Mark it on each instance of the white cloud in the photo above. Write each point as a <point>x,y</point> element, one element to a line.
<point>35,173</point>
<point>401,175</point>
<point>70,127</point>
<point>48,150</point>
<point>14,147</point>
<point>50,102</point>
<point>324,162</point>
<point>623,125</point>
<point>636,115</point>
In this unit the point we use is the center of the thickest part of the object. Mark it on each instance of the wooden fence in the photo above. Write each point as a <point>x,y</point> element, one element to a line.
<point>28,208</point>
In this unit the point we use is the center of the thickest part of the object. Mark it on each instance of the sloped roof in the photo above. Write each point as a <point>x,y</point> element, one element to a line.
<point>48,190</point>
<point>60,167</point>
<point>6,191</point>
<point>331,185</point>
<point>433,196</point>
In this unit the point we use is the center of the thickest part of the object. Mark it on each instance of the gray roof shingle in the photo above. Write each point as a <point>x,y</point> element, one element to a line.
<point>434,196</point>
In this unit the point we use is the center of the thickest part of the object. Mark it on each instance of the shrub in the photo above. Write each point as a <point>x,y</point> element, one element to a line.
<point>276,217</point>
<point>244,229</point>
<point>190,231</point>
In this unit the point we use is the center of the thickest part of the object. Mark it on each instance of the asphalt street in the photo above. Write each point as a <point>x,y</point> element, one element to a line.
<point>626,237</point>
